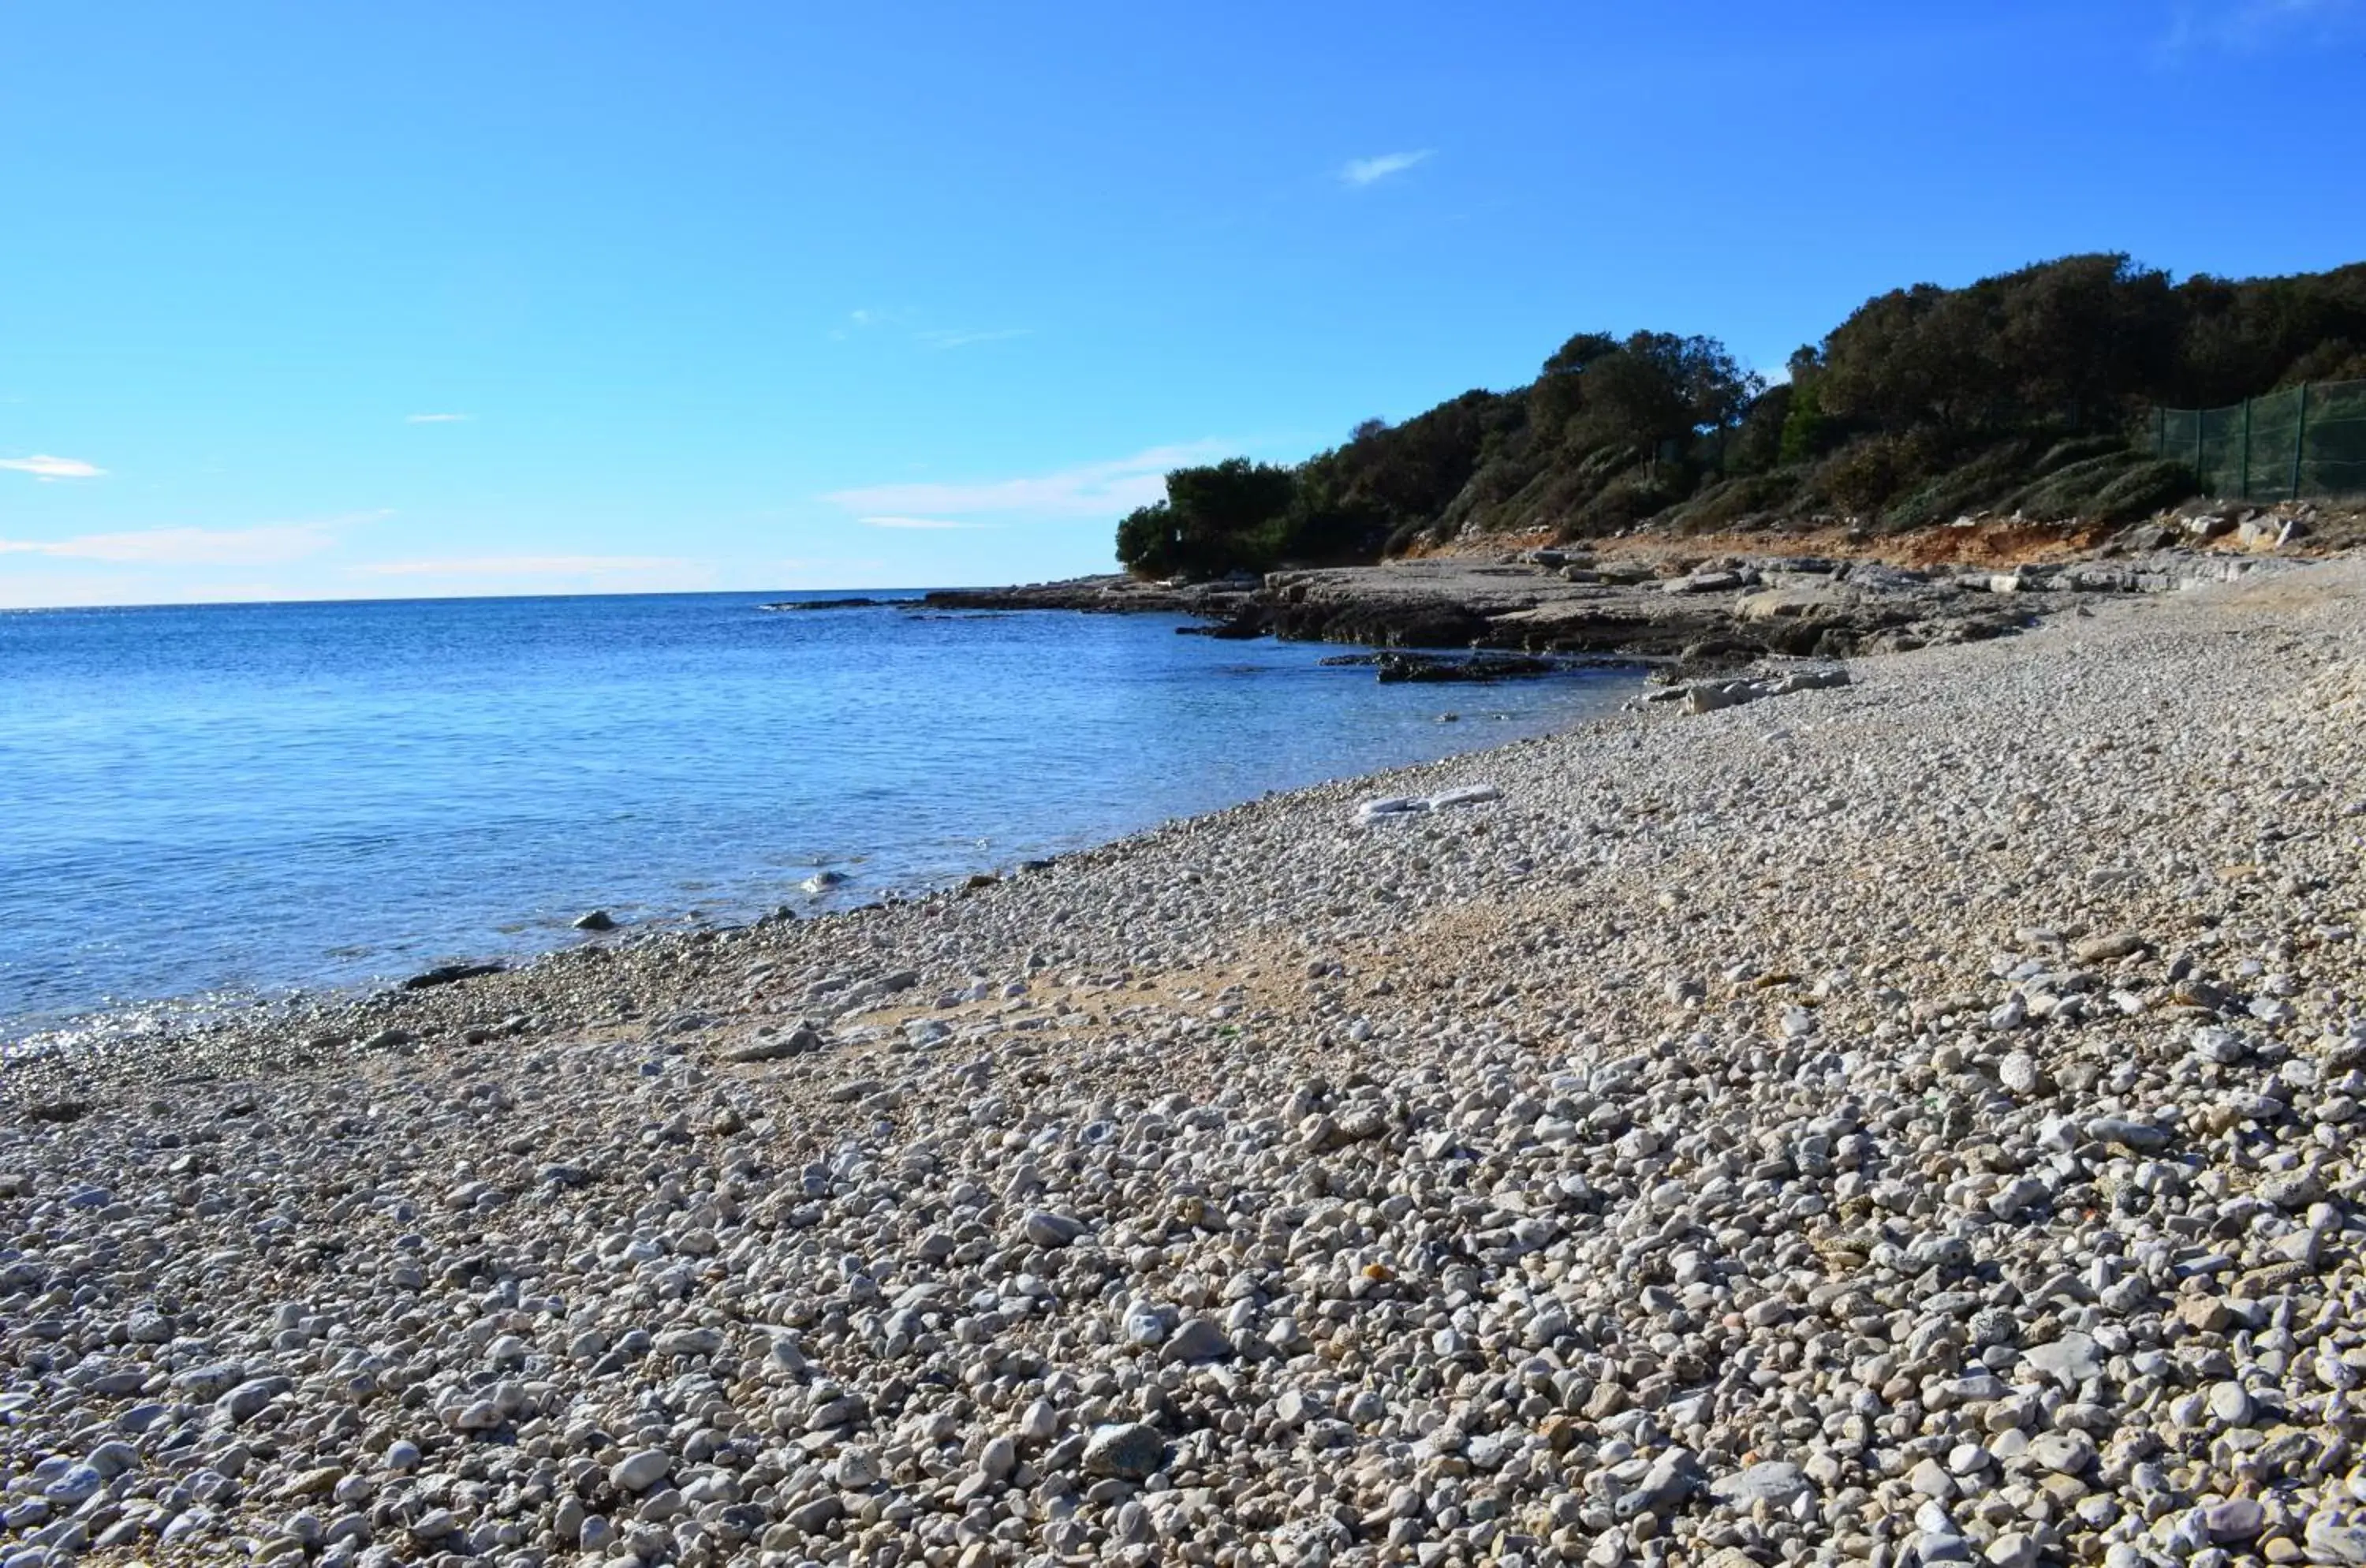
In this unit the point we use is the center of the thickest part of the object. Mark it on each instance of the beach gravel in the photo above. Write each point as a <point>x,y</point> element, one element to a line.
<point>1906,1121</point>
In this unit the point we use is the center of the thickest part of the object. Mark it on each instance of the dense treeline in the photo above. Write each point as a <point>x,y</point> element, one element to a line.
<point>2021,392</point>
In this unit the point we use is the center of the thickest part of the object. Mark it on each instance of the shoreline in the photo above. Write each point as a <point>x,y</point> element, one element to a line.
<point>1899,1122</point>
<point>1700,603</point>
<point>189,1018</point>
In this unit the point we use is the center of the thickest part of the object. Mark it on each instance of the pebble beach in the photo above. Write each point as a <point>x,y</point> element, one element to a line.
<point>1901,1123</point>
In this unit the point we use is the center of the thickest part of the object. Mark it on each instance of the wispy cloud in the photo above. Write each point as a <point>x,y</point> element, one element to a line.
<point>272,544</point>
<point>844,567</point>
<point>436,418</point>
<point>917,523</point>
<point>114,585</point>
<point>526,566</point>
<point>2245,26</point>
<point>45,467</point>
<point>867,320</point>
<point>863,320</point>
<point>962,338</point>
<point>1088,490</point>
<point>1367,171</point>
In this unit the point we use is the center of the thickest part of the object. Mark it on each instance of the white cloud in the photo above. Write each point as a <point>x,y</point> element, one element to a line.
<point>917,523</point>
<point>272,544</point>
<point>435,418</point>
<point>114,585</point>
<point>2247,25</point>
<point>1365,171</point>
<point>830,572</point>
<point>45,467</point>
<point>930,337</point>
<point>1102,490</point>
<point>862,322</point>
<point>526,566</point>
<point>959,338</point>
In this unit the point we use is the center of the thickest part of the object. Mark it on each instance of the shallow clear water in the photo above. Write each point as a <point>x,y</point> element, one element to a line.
<point>244,799</point>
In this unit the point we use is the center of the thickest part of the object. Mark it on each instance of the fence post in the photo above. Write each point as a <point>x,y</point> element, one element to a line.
<point>2246,449</point>
<point>2300,439</point>
<point>2161,430</point>
<point>2201,423</point>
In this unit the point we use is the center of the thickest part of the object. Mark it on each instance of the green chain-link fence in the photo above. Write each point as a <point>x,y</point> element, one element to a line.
<point>2306,440</point>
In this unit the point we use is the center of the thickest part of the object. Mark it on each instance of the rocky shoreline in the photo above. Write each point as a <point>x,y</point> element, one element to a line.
<point>1721,608</point>
<point>1905,1121</point>
<point>1105,593</point>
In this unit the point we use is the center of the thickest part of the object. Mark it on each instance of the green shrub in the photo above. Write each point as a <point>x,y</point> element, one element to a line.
<point>2077,449</point>
<point>2143,490</point>
<point>1626,500</point>
<point>1864,474</point>
<point>2069,491</point>
<point>1728,501</point>
<point>1976,484</point>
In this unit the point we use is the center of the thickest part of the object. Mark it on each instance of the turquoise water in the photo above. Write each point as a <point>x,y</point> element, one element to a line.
<point>245,800</point>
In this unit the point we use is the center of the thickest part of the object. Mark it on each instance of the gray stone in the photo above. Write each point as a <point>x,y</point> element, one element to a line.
<point>2103,949</point>
<point>2065,1453</point>
<point>640,1470</point>
<point>2235,1519</point>
<point>2013,1548</point>
<point>78,1484</point>
<point>688,1342</point>
<point>2231,1404</point>
<point>113,1458</point>
<point>1049,1230</point>
<point>817,1515</point>
<point>2331,1539</point>
<point>240,1404</point>
<point>776,1048</point>
<point>1930,1479</point>
<point>1196,1340</point>
<point>2073,1359</point>
<point>1129,1451</point>
<point>2141,1136</point>
<point>1773,1480</point>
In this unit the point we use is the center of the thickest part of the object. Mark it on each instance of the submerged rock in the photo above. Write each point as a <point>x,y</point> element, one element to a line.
<point>451,975</point>
<point>1402,667</point>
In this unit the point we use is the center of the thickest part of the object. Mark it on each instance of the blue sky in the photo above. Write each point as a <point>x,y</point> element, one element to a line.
<point>304,300</point>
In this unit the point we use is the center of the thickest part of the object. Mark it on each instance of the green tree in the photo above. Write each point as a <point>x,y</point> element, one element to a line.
<point>1757,444</point>
<point>1803,425</point>
<point>1659,387</point>
<point>1924,403</point>
<point>2077,341</point>
<point>1216,518</point>
<point>1148,544</point>
<point>1559,393</point>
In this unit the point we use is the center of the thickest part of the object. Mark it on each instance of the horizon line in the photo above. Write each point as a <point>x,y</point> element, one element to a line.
<point>448,598</point>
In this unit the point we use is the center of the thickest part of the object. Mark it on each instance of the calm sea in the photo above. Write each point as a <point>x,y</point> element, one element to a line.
<point>242,800</point>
